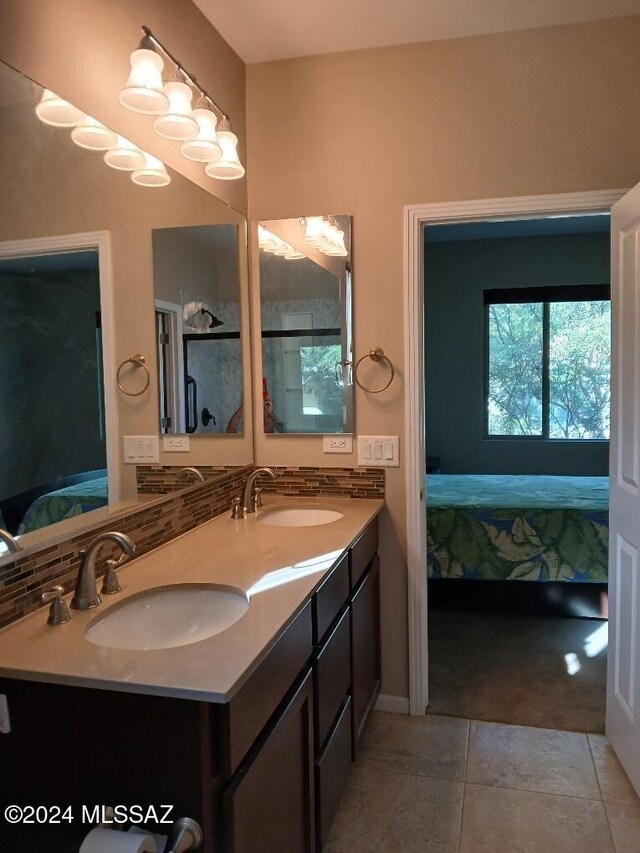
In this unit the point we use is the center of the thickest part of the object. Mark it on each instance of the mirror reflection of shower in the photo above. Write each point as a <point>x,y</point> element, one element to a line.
<point>197,302</point>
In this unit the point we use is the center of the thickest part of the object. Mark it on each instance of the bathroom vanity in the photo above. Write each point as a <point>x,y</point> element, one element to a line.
<point>251,732</point>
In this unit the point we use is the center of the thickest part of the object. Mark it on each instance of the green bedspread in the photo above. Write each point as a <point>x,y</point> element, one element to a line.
<point>504,527</point>
<point>65,503</point>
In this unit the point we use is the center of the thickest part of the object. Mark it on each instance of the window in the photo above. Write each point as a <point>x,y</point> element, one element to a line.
<point>548,362</point>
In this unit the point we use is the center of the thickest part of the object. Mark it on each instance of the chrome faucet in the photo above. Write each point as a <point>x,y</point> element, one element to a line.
<point>86,592</point>
<point>183,473</point>
<point>9,541</point>
<point>247,495</point>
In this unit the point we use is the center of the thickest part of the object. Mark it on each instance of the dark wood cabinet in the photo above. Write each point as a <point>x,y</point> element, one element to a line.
<point>332,772</point>
<point>365,649</point>
<point>262,773</point>
<point>269,804</point>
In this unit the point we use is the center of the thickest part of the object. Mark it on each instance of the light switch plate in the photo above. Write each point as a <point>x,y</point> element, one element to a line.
<point>337,444</point>
<point>379,451</point>
<point>175,443</point>
<point>141,449</point>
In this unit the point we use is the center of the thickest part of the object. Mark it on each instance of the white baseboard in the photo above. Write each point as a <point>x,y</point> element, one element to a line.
<point>393,704</point>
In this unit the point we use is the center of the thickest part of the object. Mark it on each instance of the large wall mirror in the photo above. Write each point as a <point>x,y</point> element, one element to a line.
<point>306,324</point>
<point>79,243</point>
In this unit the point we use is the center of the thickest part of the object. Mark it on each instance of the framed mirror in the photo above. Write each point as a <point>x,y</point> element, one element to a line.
<point>77,290</point>
<point>306,324</point>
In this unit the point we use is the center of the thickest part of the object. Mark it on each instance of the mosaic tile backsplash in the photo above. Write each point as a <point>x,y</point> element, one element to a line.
<point>307,481</point>
<point>25,578</point>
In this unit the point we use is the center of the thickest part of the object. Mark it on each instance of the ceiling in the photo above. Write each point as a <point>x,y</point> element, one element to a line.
<point>263,30</point>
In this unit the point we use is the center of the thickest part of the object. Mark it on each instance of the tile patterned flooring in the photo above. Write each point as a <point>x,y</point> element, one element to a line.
<point>446,785</point>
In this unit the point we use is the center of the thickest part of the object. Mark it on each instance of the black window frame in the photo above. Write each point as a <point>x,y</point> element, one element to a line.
<point>530,295</point>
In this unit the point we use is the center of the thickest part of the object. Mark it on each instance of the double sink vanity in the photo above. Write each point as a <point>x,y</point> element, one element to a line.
<point>228,671</point>
<point>231,677</point>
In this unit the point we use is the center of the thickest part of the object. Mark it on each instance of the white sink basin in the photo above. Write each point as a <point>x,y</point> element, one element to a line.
<point>168,616</point>
<point>299,516</point>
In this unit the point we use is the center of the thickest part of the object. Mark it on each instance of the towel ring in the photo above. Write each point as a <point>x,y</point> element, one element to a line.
<point>138,360</point>
<point>375,354</point>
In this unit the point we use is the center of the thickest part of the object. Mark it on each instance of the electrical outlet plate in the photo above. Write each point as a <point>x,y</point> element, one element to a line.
<point>379,451</point>
<point>141,449</point>
<point>175,443</point>
<point>337,443</point>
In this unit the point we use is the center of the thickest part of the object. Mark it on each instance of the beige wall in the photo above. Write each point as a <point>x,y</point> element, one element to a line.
<point>367,132</point>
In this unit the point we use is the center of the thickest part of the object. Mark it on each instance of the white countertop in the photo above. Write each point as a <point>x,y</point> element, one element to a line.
<point>277,567</point>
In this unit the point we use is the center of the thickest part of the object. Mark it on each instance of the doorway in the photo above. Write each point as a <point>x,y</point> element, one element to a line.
<point>517,403</point>
<point>416,218</point>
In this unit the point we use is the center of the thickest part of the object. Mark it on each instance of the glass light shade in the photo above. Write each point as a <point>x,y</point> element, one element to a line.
<point>329,238</point>
<point>281,247</point>
<point>177,122</point>
<point>293,254</point>
<point>143,91</point>
<point>125,156</point>
<point>54,110</point>
<point>341,249</point>
<point>314,231</point>
<point>228,167</point>
<point>93,135</point>
<point>266,239</point>
<point>204,148</point>
<point>152,174</point>
<point>338,249</point>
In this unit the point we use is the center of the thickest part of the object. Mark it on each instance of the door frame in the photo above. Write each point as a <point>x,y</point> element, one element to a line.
<point>101,242</point>
<point>416,218</point>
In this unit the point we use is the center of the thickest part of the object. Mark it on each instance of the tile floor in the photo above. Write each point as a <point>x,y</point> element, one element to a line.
<point>446,785</point>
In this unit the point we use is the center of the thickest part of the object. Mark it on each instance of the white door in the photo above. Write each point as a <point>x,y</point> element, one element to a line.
<point>623,677</point>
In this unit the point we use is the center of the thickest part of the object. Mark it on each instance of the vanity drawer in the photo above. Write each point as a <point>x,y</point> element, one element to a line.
<point>329,598</point>
<point>362,552</point>
<point>332,773</point>
<point>332,671</point>
<point>246,714</point>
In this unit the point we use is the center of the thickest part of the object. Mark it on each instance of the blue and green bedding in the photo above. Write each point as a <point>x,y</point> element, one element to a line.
<point>65,503</point>
<point>517,527</point>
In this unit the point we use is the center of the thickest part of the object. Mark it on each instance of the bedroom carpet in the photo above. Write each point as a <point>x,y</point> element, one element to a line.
<point>514,669</point>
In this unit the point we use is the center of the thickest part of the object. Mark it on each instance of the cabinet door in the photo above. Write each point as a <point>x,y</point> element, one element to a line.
<point>268,805</point>
<point>365,649</point>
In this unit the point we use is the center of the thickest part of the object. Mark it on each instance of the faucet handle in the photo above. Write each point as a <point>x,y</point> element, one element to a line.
<point>58,612</point>
<point>110,582</point>
<point>236,509</point>
<point>257,500</point>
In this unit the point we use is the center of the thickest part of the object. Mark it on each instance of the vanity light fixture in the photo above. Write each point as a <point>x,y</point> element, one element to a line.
<point>54,110</point>
<point>152,174</point>
<point>124,156</point>
<point>93,135</point>
<point>195,128</point>
<point>143,92</point>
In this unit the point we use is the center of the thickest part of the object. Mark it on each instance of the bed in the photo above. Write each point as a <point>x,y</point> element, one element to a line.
<point>508,527</point>
<point>67,502</point>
